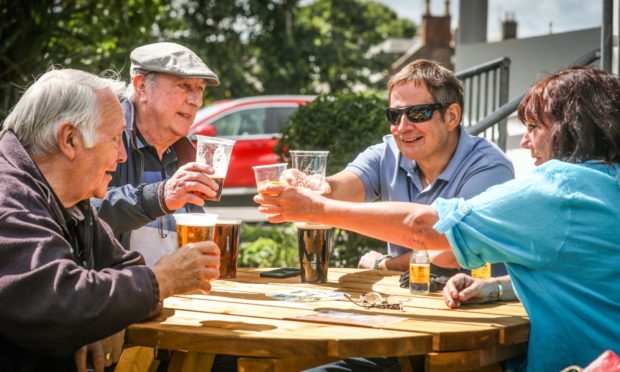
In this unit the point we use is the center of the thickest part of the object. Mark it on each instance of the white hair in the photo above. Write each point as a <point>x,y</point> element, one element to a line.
<point>149,76</point>
<point>57,97</point>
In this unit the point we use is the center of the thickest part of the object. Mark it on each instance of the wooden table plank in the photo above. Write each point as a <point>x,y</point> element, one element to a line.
<point>263,337</point>
<point>449,332</point>
<point>452,329</point>
<point>472,359</point>
<point>238,318</point>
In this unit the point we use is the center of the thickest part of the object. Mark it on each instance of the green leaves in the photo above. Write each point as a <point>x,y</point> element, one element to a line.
<point>345,124</point>
<point>255,46</point>
<point>268,246</point>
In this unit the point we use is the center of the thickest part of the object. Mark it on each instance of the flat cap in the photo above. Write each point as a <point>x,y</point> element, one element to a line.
<point>171,58</point>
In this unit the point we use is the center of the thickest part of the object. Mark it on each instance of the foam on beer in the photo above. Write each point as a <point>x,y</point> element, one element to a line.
<point>195,219</point>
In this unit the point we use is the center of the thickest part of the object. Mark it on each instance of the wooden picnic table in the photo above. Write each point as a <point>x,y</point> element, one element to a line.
<point>241,317</point>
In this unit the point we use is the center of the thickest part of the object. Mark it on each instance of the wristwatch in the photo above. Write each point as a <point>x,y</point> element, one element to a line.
<point>379,260</point>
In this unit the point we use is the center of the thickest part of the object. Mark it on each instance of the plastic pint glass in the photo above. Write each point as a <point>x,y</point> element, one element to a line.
<point>314,243</point>
<point>214,152</point>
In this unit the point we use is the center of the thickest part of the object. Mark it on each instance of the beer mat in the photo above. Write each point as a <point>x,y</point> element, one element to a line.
<point>341,317</point>
<point>305,295</point>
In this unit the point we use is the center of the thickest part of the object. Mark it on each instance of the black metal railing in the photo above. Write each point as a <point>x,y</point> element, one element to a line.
<point>498,117</point>
<point>486,89</point>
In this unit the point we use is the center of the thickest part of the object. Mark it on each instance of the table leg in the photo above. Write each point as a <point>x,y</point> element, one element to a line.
<point>137,359</point>
<point>183,361</point>
<point>474,359</point>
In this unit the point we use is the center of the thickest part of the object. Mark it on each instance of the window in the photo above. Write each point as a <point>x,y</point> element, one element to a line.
<point>279,118</point>
<point>239,123</point>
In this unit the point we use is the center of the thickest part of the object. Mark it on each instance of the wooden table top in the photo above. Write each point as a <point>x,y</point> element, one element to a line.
<point>237,317</point>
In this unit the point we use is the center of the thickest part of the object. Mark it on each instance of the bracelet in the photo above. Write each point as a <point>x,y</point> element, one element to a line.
<point>500,291</point>
<point>379,260</point>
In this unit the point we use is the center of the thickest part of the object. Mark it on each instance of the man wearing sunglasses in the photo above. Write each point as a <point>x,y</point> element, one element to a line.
<point>427,155</point>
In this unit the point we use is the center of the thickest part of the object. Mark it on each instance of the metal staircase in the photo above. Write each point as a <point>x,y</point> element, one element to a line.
<point>486,90</point>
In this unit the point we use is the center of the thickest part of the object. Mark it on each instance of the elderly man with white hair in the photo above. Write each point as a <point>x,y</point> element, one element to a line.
<point>65,281</point>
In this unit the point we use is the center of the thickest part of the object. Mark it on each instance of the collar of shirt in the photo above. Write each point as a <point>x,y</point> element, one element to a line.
<point>463,148</point>
<point>135,136</point>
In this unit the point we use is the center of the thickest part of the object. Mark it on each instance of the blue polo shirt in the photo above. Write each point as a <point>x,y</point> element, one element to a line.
<point>388,175</point>
<point>557,230</point>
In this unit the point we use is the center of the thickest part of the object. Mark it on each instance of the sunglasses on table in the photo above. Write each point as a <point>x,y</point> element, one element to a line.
<point>414,113</point>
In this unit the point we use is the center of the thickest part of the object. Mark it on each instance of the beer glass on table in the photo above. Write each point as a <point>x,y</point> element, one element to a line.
<point>313,240</point>
<point>194,227</point>
<point>214,152</point>
<point>314,244</point>
<point>226,236</point>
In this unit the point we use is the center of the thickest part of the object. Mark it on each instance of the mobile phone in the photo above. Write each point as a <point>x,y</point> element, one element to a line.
<point>281,273</point>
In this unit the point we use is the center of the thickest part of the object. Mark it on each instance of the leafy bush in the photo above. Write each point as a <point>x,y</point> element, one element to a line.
<point>346,125</point>
<point>266,245</point>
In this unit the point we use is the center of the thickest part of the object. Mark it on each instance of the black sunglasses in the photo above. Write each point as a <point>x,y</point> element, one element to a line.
<point>414,113</point>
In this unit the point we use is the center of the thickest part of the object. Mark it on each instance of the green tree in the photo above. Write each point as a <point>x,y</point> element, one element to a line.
<point>337,35</point>
<point>85,34</point>
<point>217,31</point>
<point>278,46</point>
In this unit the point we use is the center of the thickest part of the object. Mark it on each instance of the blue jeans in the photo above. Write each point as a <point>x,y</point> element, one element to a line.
<point>360,364</point>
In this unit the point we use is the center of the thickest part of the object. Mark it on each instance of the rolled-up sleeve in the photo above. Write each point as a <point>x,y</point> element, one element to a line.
<point>367,167</point>
<point>517,222</point>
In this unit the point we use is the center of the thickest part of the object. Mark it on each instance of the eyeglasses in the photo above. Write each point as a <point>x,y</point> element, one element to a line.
<point>376,300</point>
<point>414,113</point>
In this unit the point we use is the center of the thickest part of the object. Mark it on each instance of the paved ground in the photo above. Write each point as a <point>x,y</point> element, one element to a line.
<point>236,206</point>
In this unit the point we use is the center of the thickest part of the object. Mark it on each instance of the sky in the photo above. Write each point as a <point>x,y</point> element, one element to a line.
<point>533,16</point>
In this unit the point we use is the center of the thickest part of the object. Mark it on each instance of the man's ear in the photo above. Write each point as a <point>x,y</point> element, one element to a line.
<point>139,86</point>
<point>69,140</point>
<point>453,116</point>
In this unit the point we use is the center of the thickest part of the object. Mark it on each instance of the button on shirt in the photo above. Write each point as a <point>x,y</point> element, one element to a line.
<point>388,175</point>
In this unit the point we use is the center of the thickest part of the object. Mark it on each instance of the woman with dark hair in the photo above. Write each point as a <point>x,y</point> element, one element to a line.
<point>556,230</point>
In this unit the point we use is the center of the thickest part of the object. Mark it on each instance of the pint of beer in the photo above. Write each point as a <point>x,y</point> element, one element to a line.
<point>214,152</point>
<point>226,237</point>
<point>194,227</point>
<point>314,243</point>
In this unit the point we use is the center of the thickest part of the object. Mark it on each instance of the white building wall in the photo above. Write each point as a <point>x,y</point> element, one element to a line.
<point>532,58</point>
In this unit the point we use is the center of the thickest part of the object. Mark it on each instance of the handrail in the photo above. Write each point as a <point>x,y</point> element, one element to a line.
<point>486,88</point>
<point>511,106</point>
<point>472,71</point>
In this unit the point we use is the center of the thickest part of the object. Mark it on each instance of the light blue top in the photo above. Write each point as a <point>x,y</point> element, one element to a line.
<point>388,175</point>
<point>558,232</point>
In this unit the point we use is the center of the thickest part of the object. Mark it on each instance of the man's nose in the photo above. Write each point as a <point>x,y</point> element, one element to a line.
<point>404,123</point>
<point>195,98</point>
<point>122,153</point>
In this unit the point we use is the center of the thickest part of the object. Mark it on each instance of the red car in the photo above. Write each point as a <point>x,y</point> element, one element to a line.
<point>254,122</point>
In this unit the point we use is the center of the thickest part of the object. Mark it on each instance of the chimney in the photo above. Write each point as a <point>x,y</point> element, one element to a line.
<point>435,30</point>
<point>427,7</point>
<point>509,26</point>
<point>446,8</point>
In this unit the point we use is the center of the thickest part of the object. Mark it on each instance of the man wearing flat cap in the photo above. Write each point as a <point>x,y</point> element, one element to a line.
<point>160,176</point>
